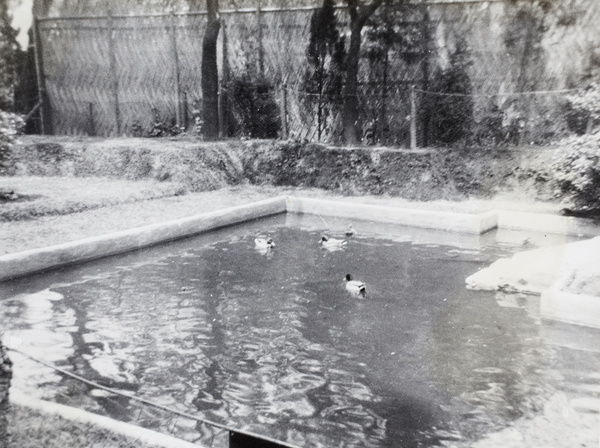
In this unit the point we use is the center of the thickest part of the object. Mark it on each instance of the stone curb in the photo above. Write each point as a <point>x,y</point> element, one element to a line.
<point>137,433</point>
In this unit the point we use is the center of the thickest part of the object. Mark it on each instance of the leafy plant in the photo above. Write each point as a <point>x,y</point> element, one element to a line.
<point>11,125</point>
<point>578,169</point>
<point>162,129</point>
<point>254,108</point>
<point>584,108</point>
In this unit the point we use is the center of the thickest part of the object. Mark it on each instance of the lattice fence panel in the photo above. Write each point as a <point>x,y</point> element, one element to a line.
<point>145,70</point>
<point>85,59</point>
<point>77,74</point>
<point>189,34</point>
<point>285,38</point>
<point>242,47</point>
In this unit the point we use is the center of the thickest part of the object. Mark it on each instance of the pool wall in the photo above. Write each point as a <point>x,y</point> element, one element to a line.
<point>37,260</point>
<point>428,219</point>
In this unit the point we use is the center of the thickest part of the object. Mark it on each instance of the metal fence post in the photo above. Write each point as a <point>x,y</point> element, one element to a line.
<point>224,85</point>
<point>177,72</point>
<point>91,130</point>
<point>113,70</point>
<point>39,72</point>
<point>261,57</point>
<point>425,36</point>
<point>283,112</point>
<point>184,112</point>
<point>413,118</point>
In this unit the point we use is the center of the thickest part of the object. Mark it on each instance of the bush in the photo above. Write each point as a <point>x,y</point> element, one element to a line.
<point>254,109</point>
<point>583,109</point>
<point>578,170</point>
<point>11,125</point>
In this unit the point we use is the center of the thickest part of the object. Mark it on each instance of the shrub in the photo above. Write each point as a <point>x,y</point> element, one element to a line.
<point>583,109</point>
<point>254,108</point>
<point>578,170</point>
<point>11,125</point>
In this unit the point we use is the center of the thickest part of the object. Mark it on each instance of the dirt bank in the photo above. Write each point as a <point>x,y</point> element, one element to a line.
<point>199,166</point>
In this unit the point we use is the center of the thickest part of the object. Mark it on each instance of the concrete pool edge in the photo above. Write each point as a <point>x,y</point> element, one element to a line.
<point>428,219</point>
<point>571,308</point>
<point>37,260</point>
<point>137,433</point>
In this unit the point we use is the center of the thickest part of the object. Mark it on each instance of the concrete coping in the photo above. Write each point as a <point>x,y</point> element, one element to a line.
<point>37,260</point>
<point>571,308</point>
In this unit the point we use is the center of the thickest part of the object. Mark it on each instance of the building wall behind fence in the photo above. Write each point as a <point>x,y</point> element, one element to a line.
<point>117,76</point>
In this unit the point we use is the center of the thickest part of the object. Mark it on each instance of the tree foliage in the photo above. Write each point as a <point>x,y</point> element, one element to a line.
<point>359,14</point>
<point>577,170</point>
<point>584,108</point>
<point>577,166</point>
<point>323,78</point>
<point>9,49</point>
<point>325,52</point>
<point>451,109</point>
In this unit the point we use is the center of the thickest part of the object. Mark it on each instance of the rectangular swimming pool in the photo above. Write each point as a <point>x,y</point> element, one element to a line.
<point>271,341</point>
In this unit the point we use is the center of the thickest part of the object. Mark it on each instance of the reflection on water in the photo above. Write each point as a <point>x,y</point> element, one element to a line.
<point>272,343</point>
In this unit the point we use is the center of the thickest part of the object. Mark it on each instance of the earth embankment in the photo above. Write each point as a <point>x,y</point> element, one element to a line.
<point>423,174</point>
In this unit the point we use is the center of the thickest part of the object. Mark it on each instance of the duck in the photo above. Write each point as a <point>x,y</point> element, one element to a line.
<point>355,287</point>
<point>264,243</point>
<point>332,242</point>
<point>350,231</point>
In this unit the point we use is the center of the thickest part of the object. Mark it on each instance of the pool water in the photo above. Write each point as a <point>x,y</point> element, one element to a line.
<point>272,342</point>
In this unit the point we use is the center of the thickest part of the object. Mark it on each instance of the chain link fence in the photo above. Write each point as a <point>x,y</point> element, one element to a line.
<point>406,117</point>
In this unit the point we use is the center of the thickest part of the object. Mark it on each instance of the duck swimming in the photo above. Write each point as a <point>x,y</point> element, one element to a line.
<point>264,243</point>
<point>332,242</point>
<point>350,231</point>
<point>355,287</point>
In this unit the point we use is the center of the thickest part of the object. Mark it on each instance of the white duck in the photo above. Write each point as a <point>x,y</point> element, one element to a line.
<point>355,287</point>
<point>332,243</point>
<point>264,243</point>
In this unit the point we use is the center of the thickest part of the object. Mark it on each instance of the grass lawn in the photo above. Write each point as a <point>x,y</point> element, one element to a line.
<point>32,429</point>
<point>47,196</point>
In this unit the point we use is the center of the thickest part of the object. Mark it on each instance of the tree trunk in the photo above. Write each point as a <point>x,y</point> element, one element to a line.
<point>210,74</point>
<point>358,18</point>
